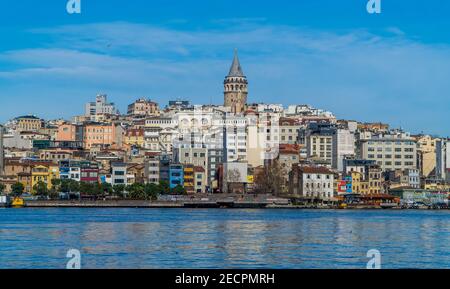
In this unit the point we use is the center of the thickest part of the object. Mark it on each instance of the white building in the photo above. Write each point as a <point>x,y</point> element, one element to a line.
<point>312,182</point>
<point>235,138</point>
<point>443,159</point>
<point>119,174</point>
<point>306,110</point>
<point>343,146</point>
<point>100,106</point>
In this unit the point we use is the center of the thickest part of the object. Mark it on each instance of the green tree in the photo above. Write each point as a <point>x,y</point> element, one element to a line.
<point>73,186</point>
<point>136,191</point>
<point>106,189</point>
<point>164,188</point>
<point>17,189</point>
<point>56,188</point>
<point>87,188</point>
<point>179,190</point>
<point>56,183</point>
<point>41,189</point>
<point>119,190</point>
<point>152,191</point>
<point>65,185</point>
<point>2,188</point>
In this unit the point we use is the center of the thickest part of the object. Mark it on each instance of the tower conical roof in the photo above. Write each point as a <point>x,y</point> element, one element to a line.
<point>236,69</point>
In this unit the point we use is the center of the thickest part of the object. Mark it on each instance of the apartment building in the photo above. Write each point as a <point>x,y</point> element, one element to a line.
<point>99,134</point>
<point>69,132</point>
<point>28,123</point>
<point>319,141</point>
<point>443,159</point>
<point>391,152</point>
<point>100,106</point>
<point>143,107</point>
<point>200,180</point>
<point>426,154</point>
<point>311,182</point>
<point>289,130</point>
<point>134,137</point>
<point>152,167</point>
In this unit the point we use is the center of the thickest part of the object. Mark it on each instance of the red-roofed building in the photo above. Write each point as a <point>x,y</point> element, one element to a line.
<point>312,183</point>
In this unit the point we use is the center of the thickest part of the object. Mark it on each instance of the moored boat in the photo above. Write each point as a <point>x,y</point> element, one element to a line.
<point>17,202</point>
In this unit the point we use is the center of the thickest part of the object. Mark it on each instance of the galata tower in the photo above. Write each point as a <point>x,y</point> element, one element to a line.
<point>236,87</point>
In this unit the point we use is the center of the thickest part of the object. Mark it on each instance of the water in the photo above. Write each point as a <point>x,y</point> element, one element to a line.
<point>213,238</point>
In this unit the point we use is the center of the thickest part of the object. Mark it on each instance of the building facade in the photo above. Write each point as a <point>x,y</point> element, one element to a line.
<point>100,106</point>
<point>390,151</point>
<point>443,159</point>
<point>143,107</point>
<point>312,182</point>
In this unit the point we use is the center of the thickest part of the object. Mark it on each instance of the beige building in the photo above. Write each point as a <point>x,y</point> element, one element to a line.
<point>143,107</point>
<point>321,146</point>
<point>99,134</point>
<point>391,152</point>
<point>29,123</point>
<point>134,137</point>
<point>426,154</point>
<point>200,180</point>
<point>289,130</point>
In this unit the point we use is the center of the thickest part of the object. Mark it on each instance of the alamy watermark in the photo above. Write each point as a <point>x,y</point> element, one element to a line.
<point>73,6</point>
<point>375,259</point>
<point>74,256</point>
<point>374,7</point>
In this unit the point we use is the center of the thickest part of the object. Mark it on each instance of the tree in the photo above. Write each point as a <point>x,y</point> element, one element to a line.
<point>56,188</point>
<point>106,189</point>
<point>233,177</point>
<point>179,190</point>
<point>17,189</point>
<point>73,186</point>
<point>41,189</point>
<point>88,189</point>
<point>164,188</point>
<point>151,191</point>
<point>136,191</point>
<point>2,188</point>
<point>56,183</point>
<point>118,190</point>
<point>270,180</point>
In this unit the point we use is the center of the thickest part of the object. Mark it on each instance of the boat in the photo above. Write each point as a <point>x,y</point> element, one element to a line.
<point>17,202</point>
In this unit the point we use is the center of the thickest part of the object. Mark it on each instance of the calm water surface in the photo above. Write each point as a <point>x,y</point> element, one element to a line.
<point>212,238</point>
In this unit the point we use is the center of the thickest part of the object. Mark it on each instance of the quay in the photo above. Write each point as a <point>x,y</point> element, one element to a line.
<point>198,205</point>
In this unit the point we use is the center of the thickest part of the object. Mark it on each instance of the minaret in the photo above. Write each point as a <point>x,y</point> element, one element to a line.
<point>236,87</point>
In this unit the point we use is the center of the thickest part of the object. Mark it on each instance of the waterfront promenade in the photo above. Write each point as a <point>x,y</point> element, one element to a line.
<point>194,204</point>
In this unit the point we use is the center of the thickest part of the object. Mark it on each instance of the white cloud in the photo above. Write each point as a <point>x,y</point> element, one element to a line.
<point>357,74</point>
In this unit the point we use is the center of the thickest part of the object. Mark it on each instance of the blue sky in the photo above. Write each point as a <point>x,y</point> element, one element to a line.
<point>393,67</point>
